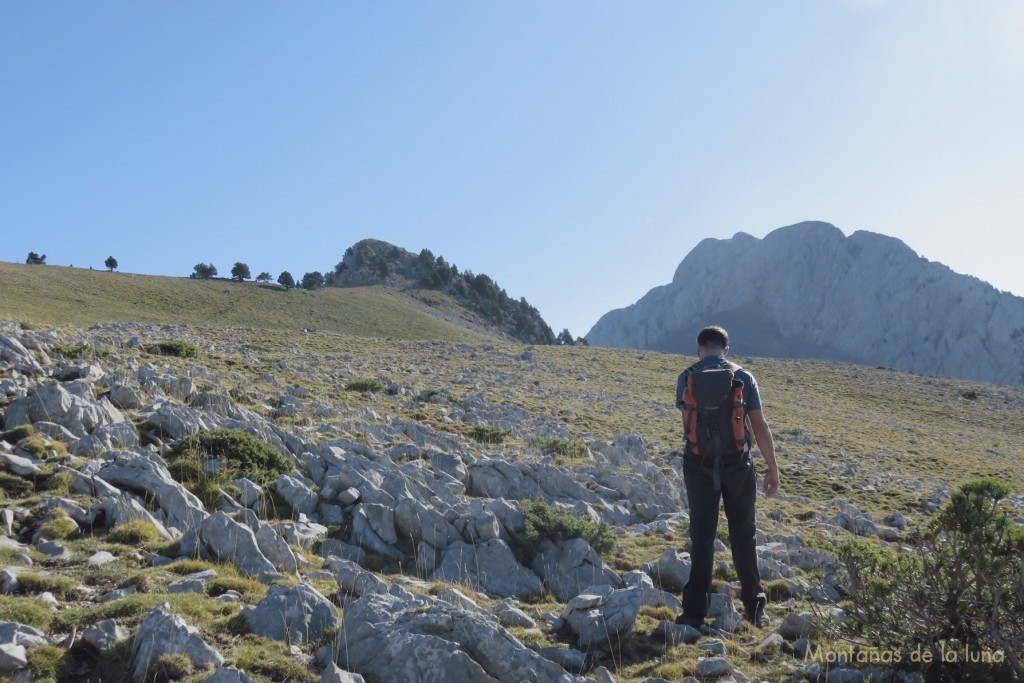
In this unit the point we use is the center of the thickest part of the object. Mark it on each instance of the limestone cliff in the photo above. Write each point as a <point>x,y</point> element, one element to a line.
<point>808,291</point>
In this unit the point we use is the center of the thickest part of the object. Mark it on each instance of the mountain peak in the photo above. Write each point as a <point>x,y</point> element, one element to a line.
<point>808,291</point>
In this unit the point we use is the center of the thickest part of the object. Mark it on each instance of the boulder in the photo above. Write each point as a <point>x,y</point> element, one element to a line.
<point>147,475</point>
<point>353,579</point>
<point>799,625</point>
<point>104,635</point>
<point>600,617</point>
<point>299,497</point>
<point>125,398</point>
<point>490,568</point>
<point>232,542</point>
<point>450,644</point>
<point>568,567</point>
<point>123,508</point>
<point>276,549</point>
<point>335,674</point>
<point>165,633</point>
<point>228,674</point>
<point>670,571</point>
<point>651,596</point>
<point>13,352</point>
<point>12,657</point>
<point>299,614</point>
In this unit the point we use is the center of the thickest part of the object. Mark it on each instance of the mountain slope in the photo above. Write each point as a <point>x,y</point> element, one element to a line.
<point>808,291</point>
<point>58,295</point>
<point>373,262</point>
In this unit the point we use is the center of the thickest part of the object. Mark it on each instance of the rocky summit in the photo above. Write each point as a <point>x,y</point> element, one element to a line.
<point>809,291</point>
<point>227,504</point>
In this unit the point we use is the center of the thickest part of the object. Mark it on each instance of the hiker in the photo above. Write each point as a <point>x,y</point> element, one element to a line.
<point>721,407</point>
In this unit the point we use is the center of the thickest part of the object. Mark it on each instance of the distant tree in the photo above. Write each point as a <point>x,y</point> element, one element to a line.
<point>204,271</point>
<point>582,341</point>
<point>263,277</point>
<point>564,338</point>
<point>286,280</point>
<point>314,280</point>
<point>35,259</point>
<point>240,271</point>
<point>111,263</point>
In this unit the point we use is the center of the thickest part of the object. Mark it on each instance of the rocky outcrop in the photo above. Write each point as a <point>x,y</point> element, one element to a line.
<point>163,632</point>
<point>808,291</point>
<point>451,644</point>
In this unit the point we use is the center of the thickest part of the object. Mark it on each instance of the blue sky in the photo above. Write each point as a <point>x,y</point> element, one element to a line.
<point>573,151</point>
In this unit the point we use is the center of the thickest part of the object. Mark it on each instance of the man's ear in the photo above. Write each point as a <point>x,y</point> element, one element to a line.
<point>726,352</point>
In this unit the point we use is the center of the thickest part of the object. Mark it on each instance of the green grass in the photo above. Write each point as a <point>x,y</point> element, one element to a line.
<point>29,611</point>
<point>56,295</point>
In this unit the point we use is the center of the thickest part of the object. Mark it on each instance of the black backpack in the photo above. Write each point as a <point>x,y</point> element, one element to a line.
<point>714,413</point>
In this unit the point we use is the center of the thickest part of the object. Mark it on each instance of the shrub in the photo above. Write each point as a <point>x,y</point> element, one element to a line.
<point>243,455</point>
<point>364,386</point>
<point>72,351</point>
<point>176,348</point>
<point>963,582</point>
<point>558,524</point>
<point>564,447</point>
<point>135,532</point>
<point>488,433</point>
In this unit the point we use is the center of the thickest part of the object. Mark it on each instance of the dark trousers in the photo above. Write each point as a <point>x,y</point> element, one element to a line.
<point>738,494</point>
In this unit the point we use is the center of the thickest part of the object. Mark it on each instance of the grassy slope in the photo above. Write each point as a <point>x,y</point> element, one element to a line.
<point>59,295</point>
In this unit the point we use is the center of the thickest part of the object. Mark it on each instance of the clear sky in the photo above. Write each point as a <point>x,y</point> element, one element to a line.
<point>575,151</point>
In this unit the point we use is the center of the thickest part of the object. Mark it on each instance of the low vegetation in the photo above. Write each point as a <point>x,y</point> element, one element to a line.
<point>548,522</point>
<point>207,461</point>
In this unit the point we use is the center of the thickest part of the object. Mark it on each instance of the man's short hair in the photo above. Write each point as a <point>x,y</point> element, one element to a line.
<point>713,336</point>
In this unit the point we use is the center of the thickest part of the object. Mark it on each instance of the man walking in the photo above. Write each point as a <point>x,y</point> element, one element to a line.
<point>721,407</point>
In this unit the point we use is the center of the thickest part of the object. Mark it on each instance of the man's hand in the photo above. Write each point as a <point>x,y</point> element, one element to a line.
<point>771,481</point>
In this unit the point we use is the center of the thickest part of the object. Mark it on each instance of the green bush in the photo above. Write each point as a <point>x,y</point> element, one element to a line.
<point>71,351</point>
<point>364,386</point>
<point>243,454</point>
<point>558,524</point>
<point>488,434</point>
<point>135,532</point>
<point>564,447</point>
<point>176,348</point>
<point>962,586</point>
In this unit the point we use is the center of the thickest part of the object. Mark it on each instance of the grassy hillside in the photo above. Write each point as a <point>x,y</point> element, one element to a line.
<point>884,440</point>
<point>55,295</point>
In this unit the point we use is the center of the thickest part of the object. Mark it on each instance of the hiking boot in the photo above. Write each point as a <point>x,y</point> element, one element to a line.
<point>685,619</point>
<point>756,614</point>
